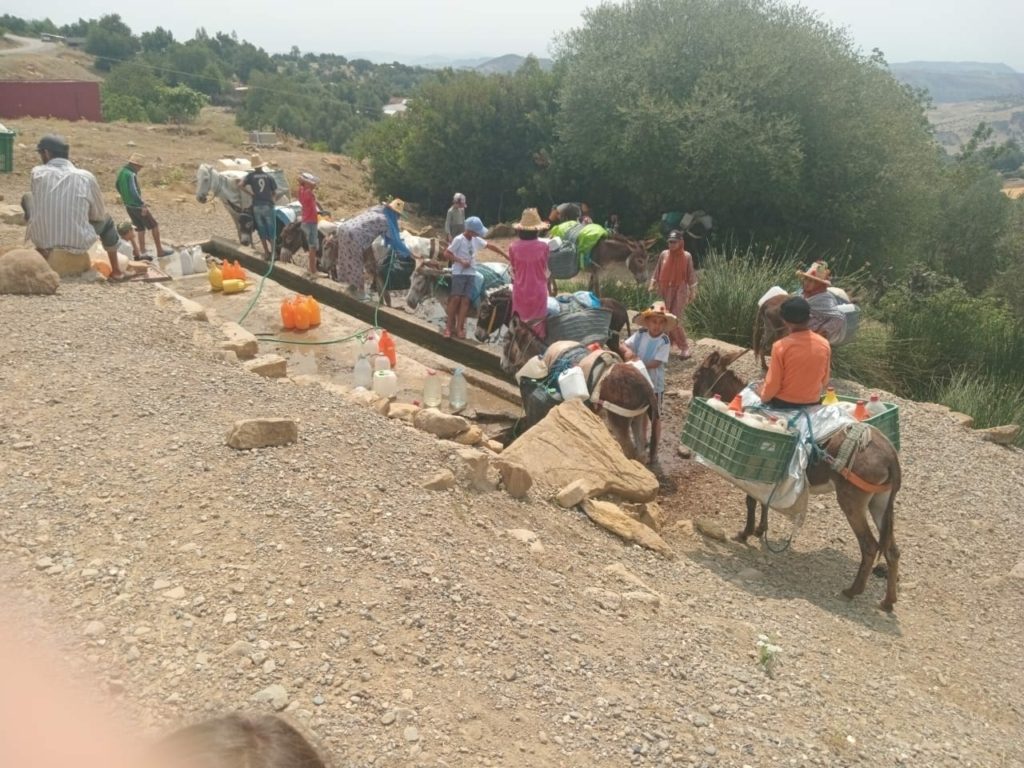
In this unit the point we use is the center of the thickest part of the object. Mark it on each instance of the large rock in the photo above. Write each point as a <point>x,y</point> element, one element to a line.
<point>1006,434</point>
<point>613,519</point>
<point>516,478</point>
<point>571,443</point>
<point>12,214</point>
<point>270,366</point>
<point>240,341</point>
<point>443,425</point>
<point>69,263</point>
<point>262,433</point>
<point>477,463</point>
<point>25,272</point>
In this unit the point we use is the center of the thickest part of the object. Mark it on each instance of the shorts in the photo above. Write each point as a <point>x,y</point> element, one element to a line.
<point>312,234</point>
<point>107,232</point>
<point>462,285</point>
<point>264,219</point>
<point>141,221</point>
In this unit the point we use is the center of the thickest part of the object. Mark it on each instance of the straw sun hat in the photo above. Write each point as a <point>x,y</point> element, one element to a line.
<point>136,159</point>
<point>818,271</point>
<point>397,205</point>
<point>657,309</point>
<point>258,162</point>
<point>531,220</point>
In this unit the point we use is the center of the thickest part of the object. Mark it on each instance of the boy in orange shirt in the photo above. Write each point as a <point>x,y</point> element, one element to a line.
<point>801,363</point>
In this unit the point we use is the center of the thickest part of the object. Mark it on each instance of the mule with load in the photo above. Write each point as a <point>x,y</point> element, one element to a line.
<point>865,475</point>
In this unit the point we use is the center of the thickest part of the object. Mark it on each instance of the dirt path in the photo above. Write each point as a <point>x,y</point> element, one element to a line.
<point>409,627</point>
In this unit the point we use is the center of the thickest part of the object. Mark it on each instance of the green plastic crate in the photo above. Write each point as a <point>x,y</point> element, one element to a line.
<point>743,451</point>
<point>887,422</point>
<point>6,151</point>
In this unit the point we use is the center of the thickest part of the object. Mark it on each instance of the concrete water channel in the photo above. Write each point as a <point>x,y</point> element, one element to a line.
<point>330,350</point>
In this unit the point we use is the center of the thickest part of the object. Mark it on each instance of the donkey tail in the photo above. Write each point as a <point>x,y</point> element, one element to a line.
<point>887,534</point>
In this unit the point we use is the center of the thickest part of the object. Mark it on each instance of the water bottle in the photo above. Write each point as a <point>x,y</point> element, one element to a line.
<point>875,405</point>
<point>386,346</point>
<point>432,390</point>
<point>381,363</point>
<point>363,373</point>
<point>458,393</point>
<point>830,397</point>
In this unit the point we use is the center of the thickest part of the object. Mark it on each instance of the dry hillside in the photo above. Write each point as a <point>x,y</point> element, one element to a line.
<point>407,627</point>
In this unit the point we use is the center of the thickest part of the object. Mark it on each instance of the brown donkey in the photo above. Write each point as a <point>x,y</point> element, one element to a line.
<point>868,484</point>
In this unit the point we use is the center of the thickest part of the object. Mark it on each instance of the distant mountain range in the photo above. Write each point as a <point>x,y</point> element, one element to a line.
<point>961,81</point>
<point>485,64</point>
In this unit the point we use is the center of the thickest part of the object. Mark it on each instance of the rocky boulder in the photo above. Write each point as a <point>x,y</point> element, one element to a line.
<point>262,433</point>
<point>571,443</point>
<point>24,272</point>
<point>439,424</point>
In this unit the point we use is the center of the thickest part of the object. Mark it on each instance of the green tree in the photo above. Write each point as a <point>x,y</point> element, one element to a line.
<point>755,111</point>
<point>180,103</point>
<point>157,41</point>
<point>111,41</point>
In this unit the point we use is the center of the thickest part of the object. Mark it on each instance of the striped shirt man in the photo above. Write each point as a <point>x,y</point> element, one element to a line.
<point>65,199</point>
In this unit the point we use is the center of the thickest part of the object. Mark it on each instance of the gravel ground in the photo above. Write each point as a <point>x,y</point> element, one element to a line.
<point>409,627</point>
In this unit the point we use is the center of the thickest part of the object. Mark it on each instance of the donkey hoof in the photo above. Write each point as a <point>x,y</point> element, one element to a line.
<point>849,594</point>
<point>741,537</point>
<point>886,606</point>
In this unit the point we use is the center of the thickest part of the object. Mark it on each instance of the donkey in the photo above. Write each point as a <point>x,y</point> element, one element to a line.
<point>495,312</point>
<point>618,391</point>
<point>614,249</point>
<point>868,484</point>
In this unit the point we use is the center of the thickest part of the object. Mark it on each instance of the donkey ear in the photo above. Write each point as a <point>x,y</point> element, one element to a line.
<point>712,360</point>
<point>731,358</point>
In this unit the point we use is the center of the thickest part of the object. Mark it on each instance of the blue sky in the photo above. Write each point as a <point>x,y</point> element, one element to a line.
<point>905,30</point>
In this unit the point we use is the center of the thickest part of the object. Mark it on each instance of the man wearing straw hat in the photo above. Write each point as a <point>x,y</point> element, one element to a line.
<point>131,195</point>
<point>826,318</point>
<point>261,185</point>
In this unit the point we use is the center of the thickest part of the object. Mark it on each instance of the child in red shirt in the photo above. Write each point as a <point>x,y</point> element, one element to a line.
<point>310,217</point>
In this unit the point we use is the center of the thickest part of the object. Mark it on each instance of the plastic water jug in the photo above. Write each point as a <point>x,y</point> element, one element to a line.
<point>362,375</point>
<point>287,314</point>
<point>716,402</point>
<point>314,310</point>
<point>368,345</point>
<point>830,397</point>
<point>875,406</point>
<point>860,413</point>
<point>385,383</point>
<point>381,363</point>
<point>639,365</point>
<point>572,384</point>
<point>301,311</point>
<point>386,346</point>
<point>458,391</point>
<point>215,277</point>
<point>431,390</point>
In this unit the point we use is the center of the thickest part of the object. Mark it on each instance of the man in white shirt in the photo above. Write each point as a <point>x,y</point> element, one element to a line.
<point>66,211</point>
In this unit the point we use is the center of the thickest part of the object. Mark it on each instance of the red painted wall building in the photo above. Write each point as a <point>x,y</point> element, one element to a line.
<point>64,99</point>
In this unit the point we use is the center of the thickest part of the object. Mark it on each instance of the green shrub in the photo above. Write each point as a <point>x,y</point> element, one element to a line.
<point>731,282</point>
<point>992,400</point>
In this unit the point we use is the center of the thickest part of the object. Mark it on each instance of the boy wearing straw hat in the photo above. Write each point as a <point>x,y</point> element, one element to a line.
<point>651,343</point>
<point>138,211</point>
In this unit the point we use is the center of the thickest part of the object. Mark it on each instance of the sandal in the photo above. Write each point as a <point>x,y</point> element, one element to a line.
<point>460,335</point>
<point>446,333</point>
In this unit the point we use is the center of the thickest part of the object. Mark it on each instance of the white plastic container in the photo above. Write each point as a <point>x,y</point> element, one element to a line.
<point>875,406</point>
<point>573,384</point>
<point>368,346</point>
<point>385,383</point>
<point>458,391</point>
<point>639,365</point>
<point>432,390</point>
<point>362,375</point>
<point>716,402</point>
<point>381,363</point>
<point>770,294</point>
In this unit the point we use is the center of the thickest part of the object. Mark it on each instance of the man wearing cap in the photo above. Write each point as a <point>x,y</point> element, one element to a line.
<point>462,253</point>
<point>826,318</point>
<point>128,188</point>
<point>801,362</point>
<point>66,206</point>
<point>455,221</point>
<point>261,185</point>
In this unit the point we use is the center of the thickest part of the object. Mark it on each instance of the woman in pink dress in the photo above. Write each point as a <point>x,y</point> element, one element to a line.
<point>529,259</point>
